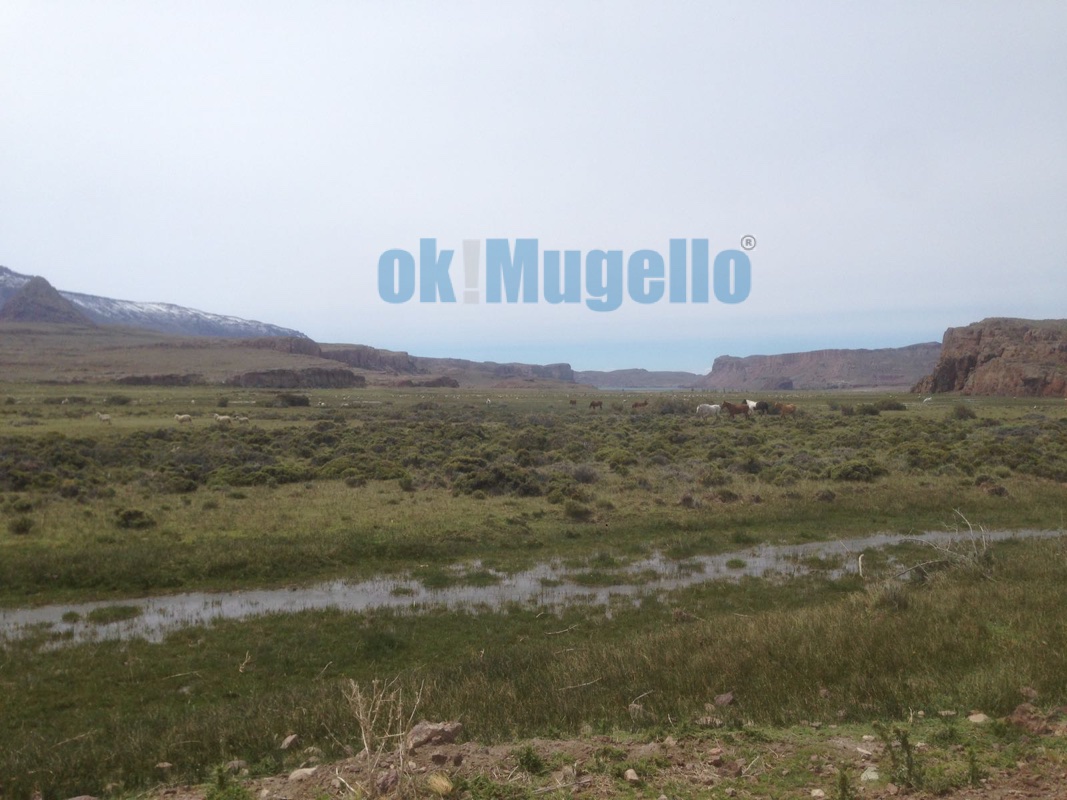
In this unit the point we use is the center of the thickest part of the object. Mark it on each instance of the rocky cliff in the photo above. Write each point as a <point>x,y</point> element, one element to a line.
<point>997,356</point>
<point>887,368</point>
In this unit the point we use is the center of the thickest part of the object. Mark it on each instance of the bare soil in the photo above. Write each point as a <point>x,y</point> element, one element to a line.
<point>594,767</point>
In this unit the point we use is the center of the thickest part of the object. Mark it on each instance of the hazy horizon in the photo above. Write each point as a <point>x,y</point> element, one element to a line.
<point>902,167</point>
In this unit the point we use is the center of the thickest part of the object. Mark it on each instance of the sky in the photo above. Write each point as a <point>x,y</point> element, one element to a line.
<point>900,166</point>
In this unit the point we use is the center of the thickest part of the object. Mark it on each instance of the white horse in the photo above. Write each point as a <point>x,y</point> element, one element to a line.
<point>706,410</point>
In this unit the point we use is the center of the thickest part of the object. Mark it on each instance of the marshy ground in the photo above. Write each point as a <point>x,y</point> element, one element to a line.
<point>439,489</point>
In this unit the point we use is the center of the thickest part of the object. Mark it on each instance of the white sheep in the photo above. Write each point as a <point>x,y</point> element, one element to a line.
<point>241,418</point>
<point>182,418</point>
<point>223,420</point>
<point>106,418</point>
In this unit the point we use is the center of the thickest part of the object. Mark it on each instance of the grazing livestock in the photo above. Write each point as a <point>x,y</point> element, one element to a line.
<point>596,404</point>
<point>105,418</point>
<point>574,402</point>
<point>785,409</point>
<point>222,420</point>
<point>707,410</point>
<point>241,418</point>
<point>751,404</point>
<point>733,409</point>
<point>762,407</point>
<point>183,418</point>
<point>642,404</point>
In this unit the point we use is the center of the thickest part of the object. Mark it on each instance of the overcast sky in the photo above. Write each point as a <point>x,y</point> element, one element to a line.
<point>901,165</point>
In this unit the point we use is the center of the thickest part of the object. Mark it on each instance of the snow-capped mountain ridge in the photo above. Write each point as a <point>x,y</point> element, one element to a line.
<point>162,317</point>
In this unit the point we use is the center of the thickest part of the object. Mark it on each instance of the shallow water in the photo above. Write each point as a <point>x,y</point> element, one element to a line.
<point>550,585</point>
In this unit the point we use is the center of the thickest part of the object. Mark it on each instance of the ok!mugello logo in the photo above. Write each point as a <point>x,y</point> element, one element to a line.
<point>519,271</point>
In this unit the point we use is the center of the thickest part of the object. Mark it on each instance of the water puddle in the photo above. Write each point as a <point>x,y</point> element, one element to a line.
<point>551,585</point>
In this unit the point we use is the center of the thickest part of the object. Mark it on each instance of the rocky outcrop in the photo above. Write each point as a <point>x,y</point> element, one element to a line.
<point>37,301</point>
<point>310,378</point>
<point>286,344</point>
<point>999,356</point>
<point>362,356</point>
<point>491,369</point>
<point>886,368</point>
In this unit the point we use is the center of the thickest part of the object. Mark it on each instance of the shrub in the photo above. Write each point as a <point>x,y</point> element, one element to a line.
<point>855,471</point>
<point>20,526</point>
<point>133,518</point>
<point>288,400</point>
<point>963,412</point>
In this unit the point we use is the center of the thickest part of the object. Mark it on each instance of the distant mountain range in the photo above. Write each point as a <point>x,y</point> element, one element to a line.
<point>162,317</point>
<point>49,334</point>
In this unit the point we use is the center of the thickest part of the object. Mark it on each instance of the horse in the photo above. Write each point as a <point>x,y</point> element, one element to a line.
<point>762,407</point>
<point>642,404</point>
<point>573,402</point>
<point>596,404</point>
<point>733,409</point>
<point>785,409</point>
<point>751,404</point>
<point>706,410</point>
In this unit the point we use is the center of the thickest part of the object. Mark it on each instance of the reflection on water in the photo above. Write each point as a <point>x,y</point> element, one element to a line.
<point>550,585</point>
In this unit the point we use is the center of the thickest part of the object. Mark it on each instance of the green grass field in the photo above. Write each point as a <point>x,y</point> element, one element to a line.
<point>375,482</point>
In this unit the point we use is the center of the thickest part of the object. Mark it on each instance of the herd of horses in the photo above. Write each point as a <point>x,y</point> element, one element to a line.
<point>745,407</point>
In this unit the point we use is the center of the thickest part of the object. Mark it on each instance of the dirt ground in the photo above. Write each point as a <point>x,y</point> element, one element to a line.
<point>596,767</point>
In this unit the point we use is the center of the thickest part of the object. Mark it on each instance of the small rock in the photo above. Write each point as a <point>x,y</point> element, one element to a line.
<point>867,737</point>
<point>302,774</point>
<point>870,775</point>
<point>236,766</point>
<point>435,733</point>
<point>818,794</point>
<point>289,741</point>
<point>731,792</point>
<point>1028,692</point>
<point>863,752</point>
<point>164,765</point>
<point>387,781</point>
<point>631,777</point>
<point>892,789</point>
<point>978,719</point>
<point>725,699</point>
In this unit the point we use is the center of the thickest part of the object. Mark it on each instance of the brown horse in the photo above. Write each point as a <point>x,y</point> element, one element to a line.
<point>574,402</point>
<point>596,404</point>
<point>785,409</point>
<point>642,404</point>
<point>733,409</point>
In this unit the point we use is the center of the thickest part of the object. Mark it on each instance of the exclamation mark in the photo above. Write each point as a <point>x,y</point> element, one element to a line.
<point>472,254</point>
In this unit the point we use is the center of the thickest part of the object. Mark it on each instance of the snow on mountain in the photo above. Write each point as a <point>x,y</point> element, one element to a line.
<point>163,317</point>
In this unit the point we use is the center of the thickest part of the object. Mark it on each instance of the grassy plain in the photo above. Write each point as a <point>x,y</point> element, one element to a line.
<point>368,482</point>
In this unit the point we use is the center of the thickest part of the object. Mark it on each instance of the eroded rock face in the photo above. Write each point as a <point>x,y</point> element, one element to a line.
<point>309,378</point>
<point>887,368</point>
<point>997,356</point>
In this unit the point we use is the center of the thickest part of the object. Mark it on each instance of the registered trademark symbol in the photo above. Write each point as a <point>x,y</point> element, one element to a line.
<point>748,242</point>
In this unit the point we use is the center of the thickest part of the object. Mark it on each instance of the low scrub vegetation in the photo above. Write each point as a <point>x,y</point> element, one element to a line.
<point>421,481</point>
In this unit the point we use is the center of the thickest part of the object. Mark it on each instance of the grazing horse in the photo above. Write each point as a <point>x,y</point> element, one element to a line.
<point>642,404</point>
<point>733,409</point>
<point>706,410</point>
<point>762,407</point>
<point>596,404</point>
<point>785,409</point>
<point>751,404</point>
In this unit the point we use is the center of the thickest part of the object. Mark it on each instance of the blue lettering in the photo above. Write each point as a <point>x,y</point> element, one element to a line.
<point>645,276</point>
<point>502,272</point>
<point>433,273</point>
<point>603,279</point>
<point>570,291</point>
<point>732,264</point>
<point>396,276</point>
